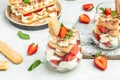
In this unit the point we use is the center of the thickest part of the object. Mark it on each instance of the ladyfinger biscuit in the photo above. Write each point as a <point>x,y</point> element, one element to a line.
<point>3,65</point>
<point>10,53</point>
<point>114,33</point>
<point>54,26</point>
<point>60,53</point>
<point>11,2</point>
<point>64,49</point>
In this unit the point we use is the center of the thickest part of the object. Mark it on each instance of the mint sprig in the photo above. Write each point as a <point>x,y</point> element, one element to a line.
<point>69,34</point>
<point>23,35</point>
<point>102,9</point>
<point>26,1</point>
<point>34,65</point>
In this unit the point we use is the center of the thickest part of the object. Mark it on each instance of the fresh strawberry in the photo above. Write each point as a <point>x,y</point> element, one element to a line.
<point>88,6</point>
<point>97,36</point>
<point>100,61</point>
<point>32,49</point>
<point>28,14</point>
<point>63,31</point>
<point>102,29</point>
<point>78,42</point>
<point>74,50</point>
<point>69,57</point>
<point>84,18</point>
<point>107,11</point>
<point>55,62</point>
<point>107,43</point>
<point>39,10</point>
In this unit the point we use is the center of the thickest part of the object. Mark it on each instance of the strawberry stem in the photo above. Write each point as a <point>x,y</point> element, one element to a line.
<point>98,53</point>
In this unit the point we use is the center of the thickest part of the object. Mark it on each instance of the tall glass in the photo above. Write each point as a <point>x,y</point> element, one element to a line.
<point>106,31</point>
<point>64,54</point>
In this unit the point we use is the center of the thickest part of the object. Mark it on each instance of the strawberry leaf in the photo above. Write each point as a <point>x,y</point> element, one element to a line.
<point>61,24</point>
<point>98,53</point>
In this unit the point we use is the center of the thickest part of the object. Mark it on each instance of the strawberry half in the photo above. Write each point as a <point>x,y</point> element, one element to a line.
<point>84,18</point>
<point>107,43</point>
<point>32,49</point>
<point>102,29</point>
<point>74,50</point>
<point>100,61</point>
<point>55,62</point>
<point>88,6</point>
<point>97,36</point>
<point>107,11</point>
<point>63,31</point>
<point>69,57</point>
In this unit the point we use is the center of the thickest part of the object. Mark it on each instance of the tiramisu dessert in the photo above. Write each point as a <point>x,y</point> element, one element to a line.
<point>31,11</point>
<point>63,51</point>
<point>107,29</point>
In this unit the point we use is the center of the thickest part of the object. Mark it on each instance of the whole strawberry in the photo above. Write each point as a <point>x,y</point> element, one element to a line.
<point>32,49</point>
<point>88,6</point>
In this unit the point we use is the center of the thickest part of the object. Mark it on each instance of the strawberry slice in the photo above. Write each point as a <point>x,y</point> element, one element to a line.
<point>107,11</point>
<point>100,61</point>
<point>69,57</point>
<point>28,14</point>
<point>97,36</point>
<point>63,31</point>
<point>39,10</point>
<point>55,62</point>
<point>84,18</point>
<point>78,42</point>
<point>107,43</point>
<point>74,50</point>
<point>102,29</point>
<point>88,6</point>
<point>32,49</point>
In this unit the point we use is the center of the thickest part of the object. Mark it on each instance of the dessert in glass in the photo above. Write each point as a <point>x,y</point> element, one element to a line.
<point>63,51</point>
<point>106,32</point>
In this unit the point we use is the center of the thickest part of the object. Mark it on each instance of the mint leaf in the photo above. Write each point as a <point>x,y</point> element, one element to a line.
<point>102,9</point>
<point>61,24</point>
<point>69,34</point>
<point>113,13</point>
<point>26,1</point>
<point>34,65</point>
<point>23,35</point>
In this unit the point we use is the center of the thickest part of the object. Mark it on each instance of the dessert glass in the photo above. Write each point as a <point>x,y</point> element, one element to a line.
<point>64,58</point>
<point>106,31</point>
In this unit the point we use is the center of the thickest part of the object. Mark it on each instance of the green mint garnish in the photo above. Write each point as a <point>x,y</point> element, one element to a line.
<point>113,13</point>
<point>69,34</point>
<point>61,24</point>
<point>23,35</point>
<point>26,1</point>
<point>102,9</point>
<point>34,65</point>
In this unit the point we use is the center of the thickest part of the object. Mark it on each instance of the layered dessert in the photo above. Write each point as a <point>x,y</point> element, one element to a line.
<point>63,51</point>
<point>31,11</point>
<point>107,29</point>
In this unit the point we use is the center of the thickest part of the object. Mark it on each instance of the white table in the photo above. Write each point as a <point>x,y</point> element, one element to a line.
<point>85,70</point>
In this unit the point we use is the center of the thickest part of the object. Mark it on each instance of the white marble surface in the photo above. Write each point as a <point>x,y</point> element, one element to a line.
<point>86,69</point>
